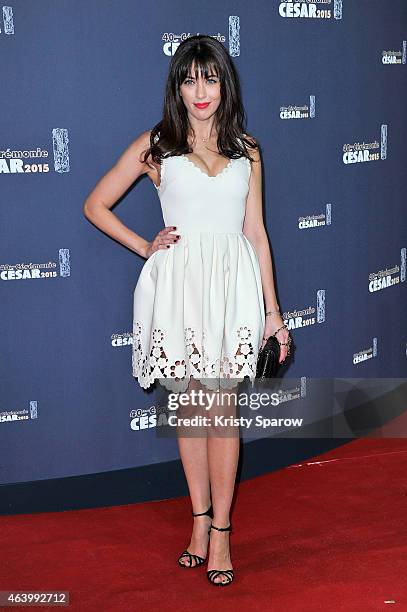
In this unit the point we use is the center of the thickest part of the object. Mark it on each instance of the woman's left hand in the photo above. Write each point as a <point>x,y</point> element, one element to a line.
<point>274,322</point>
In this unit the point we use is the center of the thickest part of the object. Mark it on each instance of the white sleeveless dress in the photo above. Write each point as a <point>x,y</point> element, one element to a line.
<point>198,305</point>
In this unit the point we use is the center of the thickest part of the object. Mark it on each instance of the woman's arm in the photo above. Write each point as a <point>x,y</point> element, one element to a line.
<point>111,187</point>
<point>254,230</point>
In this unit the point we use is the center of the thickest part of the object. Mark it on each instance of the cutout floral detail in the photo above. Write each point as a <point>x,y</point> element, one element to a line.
<point>197,364</point>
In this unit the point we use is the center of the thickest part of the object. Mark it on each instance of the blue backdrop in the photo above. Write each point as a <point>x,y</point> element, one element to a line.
<point>324,87</point>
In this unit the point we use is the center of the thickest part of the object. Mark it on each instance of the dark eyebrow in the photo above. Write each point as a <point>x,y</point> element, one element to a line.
<point>208,77</point>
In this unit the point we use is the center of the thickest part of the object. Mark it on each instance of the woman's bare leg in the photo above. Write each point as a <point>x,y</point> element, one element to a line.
<point>223,456</point>
<point>194,456</point>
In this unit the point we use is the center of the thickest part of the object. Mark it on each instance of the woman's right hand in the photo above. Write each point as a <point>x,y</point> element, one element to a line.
<point>163,240</point>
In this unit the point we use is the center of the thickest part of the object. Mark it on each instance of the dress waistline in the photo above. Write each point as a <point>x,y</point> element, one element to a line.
<point>182,230</point>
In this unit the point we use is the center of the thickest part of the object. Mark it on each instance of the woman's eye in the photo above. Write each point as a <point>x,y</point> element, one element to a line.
<point>187,81</point>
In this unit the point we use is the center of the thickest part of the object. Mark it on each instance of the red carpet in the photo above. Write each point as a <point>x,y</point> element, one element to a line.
<point>327,536</point>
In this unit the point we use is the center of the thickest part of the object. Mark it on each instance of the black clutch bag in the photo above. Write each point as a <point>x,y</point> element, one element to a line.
<point>268,359</point>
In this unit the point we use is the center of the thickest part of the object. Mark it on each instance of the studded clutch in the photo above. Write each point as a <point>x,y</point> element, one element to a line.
<point>268,359</point>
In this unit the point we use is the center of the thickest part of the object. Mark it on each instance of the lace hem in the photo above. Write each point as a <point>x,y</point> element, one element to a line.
<point>225,371</point>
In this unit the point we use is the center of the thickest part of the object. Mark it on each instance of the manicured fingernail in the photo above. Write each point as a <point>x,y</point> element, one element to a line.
<point>168,246</point>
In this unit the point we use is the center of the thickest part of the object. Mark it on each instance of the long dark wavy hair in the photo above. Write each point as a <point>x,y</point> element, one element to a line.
<point>169,136</point>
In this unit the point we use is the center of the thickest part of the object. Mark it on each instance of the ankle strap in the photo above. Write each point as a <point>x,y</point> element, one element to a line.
<point>222,528</point>
<point>209,512</point>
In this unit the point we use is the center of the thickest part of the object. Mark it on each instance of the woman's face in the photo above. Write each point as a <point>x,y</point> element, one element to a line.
<point>201,96</point>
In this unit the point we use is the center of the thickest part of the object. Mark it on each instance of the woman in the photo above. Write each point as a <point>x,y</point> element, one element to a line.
<point>200,301</point>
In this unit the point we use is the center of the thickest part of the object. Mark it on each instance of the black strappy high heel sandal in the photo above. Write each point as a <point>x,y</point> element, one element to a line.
<point>196,558</point>
<point>214,573</point>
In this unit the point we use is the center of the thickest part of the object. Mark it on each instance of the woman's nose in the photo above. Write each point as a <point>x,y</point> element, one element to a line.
<point>201,88</point>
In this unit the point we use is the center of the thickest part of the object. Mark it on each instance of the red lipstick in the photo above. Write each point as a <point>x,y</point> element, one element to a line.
<point>202,105</point>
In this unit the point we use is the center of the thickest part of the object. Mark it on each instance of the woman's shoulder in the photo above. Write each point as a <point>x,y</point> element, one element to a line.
<point>144,143</point>
<point>145,138</point>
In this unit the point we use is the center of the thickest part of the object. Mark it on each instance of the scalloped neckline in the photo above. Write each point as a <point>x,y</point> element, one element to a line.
<point>221,173</point>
